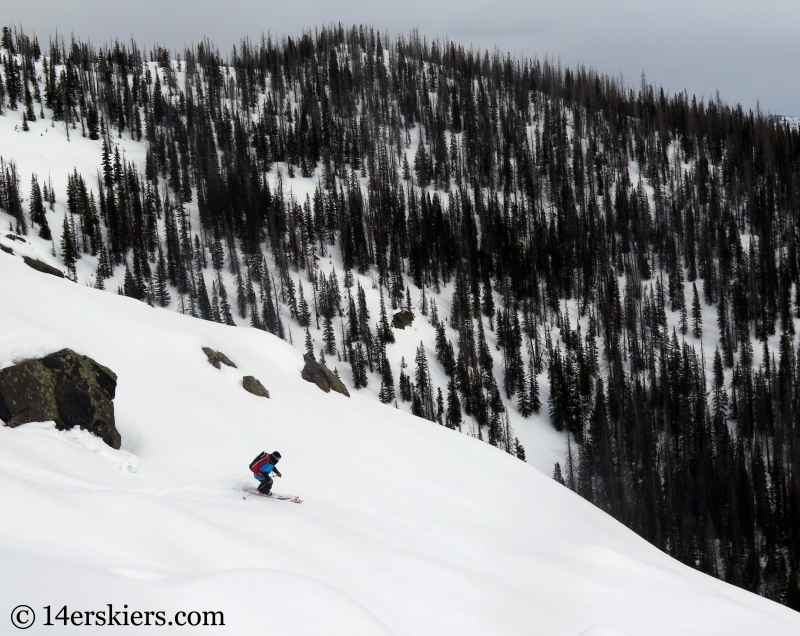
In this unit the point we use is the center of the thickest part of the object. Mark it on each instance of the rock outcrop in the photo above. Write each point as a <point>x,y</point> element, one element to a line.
<point>39,266</point>
<point>402,319</point>
<point>217,357</point>
<point>322,376</point>
<point>254,386</point>
<point>65,387</point>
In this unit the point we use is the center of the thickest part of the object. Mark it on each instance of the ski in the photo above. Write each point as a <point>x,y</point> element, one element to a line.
<point>274,495</point>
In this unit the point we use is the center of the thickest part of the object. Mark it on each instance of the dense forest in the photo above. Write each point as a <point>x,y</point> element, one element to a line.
<point>532,188</point>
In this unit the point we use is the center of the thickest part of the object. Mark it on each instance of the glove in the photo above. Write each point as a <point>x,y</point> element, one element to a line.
<point>277,473</point>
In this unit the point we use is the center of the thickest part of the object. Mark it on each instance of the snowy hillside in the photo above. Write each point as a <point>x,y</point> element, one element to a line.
<point>53,154</point>
<point>551,270</point>
<point>407,527</point>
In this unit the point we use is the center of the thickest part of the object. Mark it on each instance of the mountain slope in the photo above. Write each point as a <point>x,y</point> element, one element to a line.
<point>407,527</point>
<point>553,229</point>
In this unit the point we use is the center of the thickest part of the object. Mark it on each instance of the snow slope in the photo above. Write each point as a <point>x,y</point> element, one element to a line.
<point>47,152</point>
<point>407,528</point>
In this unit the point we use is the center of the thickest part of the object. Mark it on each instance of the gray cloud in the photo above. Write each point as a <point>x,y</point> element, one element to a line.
<point>749,51</point>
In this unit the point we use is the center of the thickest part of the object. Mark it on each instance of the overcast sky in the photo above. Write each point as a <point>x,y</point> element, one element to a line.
<point>749,50</point>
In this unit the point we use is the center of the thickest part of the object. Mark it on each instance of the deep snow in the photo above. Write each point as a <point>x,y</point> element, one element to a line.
<point>407,527</point>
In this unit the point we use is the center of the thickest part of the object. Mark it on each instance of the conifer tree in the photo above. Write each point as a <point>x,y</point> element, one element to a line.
<point>404,382</point>
<point>224,305</point>
<point>241,296</point>
<point>204,304</point>
<point>697,313</point>
<point>161,295</point>
<point>519,450</point>
<point>215,314</point>
<point>303,313</point>
<point>69,251</point>
<point>329,336</point>
<point>37,211</point>
<point>385,333</point>
<point>453,406</point>
<point>386,393</point>
<point>309,345</point>
<point>535,401</point>
<point>358,362</point>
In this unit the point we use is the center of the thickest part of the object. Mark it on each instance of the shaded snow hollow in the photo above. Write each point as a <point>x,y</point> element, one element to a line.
<point>407,528</point>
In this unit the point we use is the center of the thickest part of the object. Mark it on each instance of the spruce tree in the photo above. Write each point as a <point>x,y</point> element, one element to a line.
<point>557,475</point>
<point>303,313</point>
<point>519,450</point>
<point>386,393</point>
<point>37,211</point>
<point>69,251</point>
<point>161,294</point>
<point>453,406</point>
<point>385,332</point>
<point>224,305</point>
<point>697,313</point>
<point>309,345</point>
<point>203,302</point>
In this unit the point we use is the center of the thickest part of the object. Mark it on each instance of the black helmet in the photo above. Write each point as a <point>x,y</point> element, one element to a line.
<point>276,454</point>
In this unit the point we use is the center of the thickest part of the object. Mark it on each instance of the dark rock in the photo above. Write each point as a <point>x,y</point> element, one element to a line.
<point>6,249</point>
<point>402,319</point>
<point>64,387</point>
<point>217,357</point>
<point>322,376</point>
<point>42,267</point>
<point>16,237</point>
<point>254,386</point>
<point>213,358</point>
<point>225,359</point>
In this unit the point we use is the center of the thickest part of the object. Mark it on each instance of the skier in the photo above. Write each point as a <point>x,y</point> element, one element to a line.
<point>262,470</point>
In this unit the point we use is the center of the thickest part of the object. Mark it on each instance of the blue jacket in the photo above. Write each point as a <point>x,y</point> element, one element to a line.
<point>264,471</point>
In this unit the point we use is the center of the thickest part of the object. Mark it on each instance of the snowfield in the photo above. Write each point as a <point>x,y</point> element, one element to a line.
<point>406,528</point>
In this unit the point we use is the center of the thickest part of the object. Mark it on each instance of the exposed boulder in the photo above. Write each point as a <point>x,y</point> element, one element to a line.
<point>217,357</point>
<point>6,249</point>
<point>39,266</point>
<point>402,319</point>
<point>64,387</point>
<point>254,386</point>
<point>322,376</point>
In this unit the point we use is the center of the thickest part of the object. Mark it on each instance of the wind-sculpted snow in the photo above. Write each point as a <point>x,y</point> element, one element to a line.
<point>406,528</point>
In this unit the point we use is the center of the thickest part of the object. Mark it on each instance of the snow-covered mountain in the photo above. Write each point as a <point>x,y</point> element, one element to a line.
<point>407,527</point>
<point>555,233</point>
<point>54,153</point>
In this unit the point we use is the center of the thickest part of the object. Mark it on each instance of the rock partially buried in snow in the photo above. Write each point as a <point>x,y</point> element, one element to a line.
<point>254,386</point>
<point>402,319</point>
<point>64,387</point>
<point>322,376</point>
<point>217,357</point>
<point>39,266</point>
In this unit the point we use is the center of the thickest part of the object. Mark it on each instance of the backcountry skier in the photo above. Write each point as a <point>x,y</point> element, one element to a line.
<point>262,467</point>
